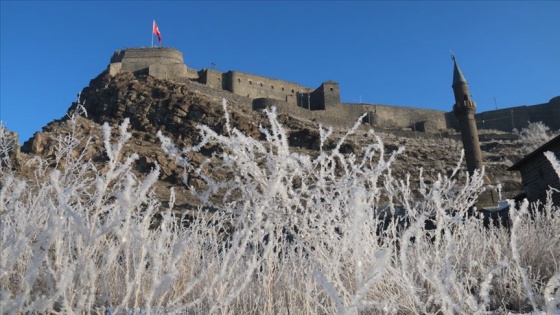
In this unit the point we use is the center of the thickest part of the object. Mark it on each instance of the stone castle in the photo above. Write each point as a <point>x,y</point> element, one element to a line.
<point>321,104</point>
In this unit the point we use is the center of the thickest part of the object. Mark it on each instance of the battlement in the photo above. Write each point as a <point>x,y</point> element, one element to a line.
<point>148,55</point>
<point>159,62</point>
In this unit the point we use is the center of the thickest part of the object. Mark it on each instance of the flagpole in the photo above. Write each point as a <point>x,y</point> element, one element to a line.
<point>153,33</point>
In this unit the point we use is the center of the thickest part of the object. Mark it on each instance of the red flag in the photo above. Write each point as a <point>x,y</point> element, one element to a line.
<point>156,32</point>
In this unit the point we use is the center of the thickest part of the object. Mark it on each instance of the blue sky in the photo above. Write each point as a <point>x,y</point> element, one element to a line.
<point>394,53</point>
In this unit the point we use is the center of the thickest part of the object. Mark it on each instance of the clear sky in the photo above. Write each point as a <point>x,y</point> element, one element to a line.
<point>394,53</point>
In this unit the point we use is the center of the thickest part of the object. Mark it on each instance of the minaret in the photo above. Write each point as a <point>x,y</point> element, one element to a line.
<point>464,109</point>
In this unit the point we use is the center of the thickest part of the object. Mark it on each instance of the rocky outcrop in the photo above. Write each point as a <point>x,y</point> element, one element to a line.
<point>152,104</point>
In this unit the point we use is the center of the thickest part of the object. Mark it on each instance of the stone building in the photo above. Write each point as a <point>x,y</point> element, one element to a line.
<point>537,174</point>
<point>321,104</point>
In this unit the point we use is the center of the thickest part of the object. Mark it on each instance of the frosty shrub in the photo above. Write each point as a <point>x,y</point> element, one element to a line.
<point>291,234</point>
<point>8,144</point>
<point>533,136</point>
<point>5,145</point>
<point>315,224</point>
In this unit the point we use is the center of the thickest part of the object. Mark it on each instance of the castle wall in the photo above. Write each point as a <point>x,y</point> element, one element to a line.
<point>217,95</point>
<point>331,93</point>
<point>212,78</point>
<point>254,86</point>
<point>192,74</point>
<point>345,115</point>
<point>340,116</point>
<point>516,117</point>
<point>519,117</point>
<point>325,96</point>
<point>143,57</point>
<point>425,120</point>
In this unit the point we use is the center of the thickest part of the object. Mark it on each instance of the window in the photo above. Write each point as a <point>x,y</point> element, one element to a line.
<point>331,89</point>
<point>272,87</point>
<point>292,90</point>
<point>239,80</point>
<point>261,84</point>
<point>466,97</point>
<point>250,82</point>
<point>282,88</point>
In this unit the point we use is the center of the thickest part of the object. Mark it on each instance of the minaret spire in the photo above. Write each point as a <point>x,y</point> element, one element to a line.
<point>458,76</point>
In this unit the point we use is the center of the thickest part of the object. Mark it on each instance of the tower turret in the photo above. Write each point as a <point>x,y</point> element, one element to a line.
<point>464,109</point>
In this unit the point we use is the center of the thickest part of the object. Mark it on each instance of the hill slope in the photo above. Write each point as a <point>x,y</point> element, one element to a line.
<point>173,108</point>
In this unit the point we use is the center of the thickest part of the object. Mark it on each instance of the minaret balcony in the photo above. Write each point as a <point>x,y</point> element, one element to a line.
<point>464,107</point>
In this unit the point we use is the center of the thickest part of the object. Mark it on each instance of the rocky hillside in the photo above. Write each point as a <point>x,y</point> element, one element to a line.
<point>154,105</point>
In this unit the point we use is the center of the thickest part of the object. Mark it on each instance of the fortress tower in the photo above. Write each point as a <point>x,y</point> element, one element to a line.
<point>464,109</point>
<point>159,62</point>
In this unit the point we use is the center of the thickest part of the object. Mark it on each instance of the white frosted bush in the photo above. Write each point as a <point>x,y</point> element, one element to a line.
<point>533,136</point>
<point>330,206</point>
<point>289,234</point>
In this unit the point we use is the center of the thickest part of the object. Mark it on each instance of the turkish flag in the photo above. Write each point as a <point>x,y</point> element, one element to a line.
<point>156,32</point>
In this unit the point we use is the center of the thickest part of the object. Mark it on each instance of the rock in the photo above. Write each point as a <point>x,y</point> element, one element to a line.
<point>305,139</point>
<point>37,145</point>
